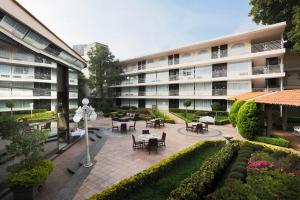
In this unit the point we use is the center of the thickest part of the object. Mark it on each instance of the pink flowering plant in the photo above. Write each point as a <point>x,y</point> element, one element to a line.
<point>260,164</point>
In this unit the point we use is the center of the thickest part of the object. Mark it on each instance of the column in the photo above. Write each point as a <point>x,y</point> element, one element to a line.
<point>284,118</point>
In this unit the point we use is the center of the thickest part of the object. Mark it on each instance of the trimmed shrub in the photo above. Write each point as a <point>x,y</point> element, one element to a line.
<point>234,109</point>
<point>250,120</point>
<point>201,182</point>
<point>126,186</point>
<point>273,140</point>
<point>30,177</point>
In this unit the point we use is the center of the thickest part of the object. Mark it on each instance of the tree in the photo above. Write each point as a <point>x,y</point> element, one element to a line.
<point>104,71</point>
<point>82,83</point>
<point>274,11</point>
<point>234,109</point>
<point>250,120</point>
<point>10,104</point>
<point>187,104</point>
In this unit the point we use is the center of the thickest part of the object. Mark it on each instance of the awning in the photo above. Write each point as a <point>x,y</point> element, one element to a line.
<point>285,97</point>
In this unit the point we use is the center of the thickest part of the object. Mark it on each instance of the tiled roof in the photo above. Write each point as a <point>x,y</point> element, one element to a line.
<point>285,97</point>
<point>246,96</point>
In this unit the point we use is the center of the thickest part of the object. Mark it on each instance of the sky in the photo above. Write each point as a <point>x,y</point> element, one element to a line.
<point>137,27</point>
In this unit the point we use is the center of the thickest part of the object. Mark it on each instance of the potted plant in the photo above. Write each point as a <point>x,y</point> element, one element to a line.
<point>25,177</point>
<point>187,104</point>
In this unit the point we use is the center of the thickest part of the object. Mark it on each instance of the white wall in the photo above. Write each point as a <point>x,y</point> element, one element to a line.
<point>151,90</point>
<point>203,104</point>
<point>186,89</point>
<point>203,72</point>
<point>150,102</point>
<point>163,104</point>
<point>186,74</point>
<point>239,48</point>
<point>163,90</point>
<point>150,77</point>
<point>238,87</point>
<point>162,76</point>
<point>203,89</point>
<point>239,69</point>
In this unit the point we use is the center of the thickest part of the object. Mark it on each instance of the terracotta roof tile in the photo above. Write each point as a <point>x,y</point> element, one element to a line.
<point>285,97</point>
<point>246,96</point>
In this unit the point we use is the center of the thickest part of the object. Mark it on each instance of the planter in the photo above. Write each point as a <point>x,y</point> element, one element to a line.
<point>25,193</point>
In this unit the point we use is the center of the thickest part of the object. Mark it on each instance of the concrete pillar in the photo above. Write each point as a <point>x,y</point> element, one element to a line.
<point>284,118</point>
<point>268,111</point>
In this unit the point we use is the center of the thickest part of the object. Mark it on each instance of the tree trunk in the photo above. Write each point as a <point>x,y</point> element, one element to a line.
<point>11,112</point>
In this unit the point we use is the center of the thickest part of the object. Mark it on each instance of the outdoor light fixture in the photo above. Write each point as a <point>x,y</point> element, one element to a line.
<point>86,113</point>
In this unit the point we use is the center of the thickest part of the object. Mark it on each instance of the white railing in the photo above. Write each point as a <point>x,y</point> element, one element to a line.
<point>268,69</point>
<point>266,46</point>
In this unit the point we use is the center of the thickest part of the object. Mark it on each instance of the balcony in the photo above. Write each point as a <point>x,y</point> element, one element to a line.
<point>174,77</point>
<point>219,73</point>
<point>223,53</point>
<point>41,92</point>
<point>173,92</point>
<point>219,92</point>
<point>42,76</point>
<point>142,93</point>
<point>269,89</point>
<point>266,46</point>
<point>141,80</point>
<point>269,69</point>
<point>214,54</point>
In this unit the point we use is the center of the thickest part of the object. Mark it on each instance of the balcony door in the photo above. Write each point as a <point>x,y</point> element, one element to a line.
<point>173,103</point>
<point>219,88</point>
<point>142,103</point>
<point>219,70</point>
<point>173,89</point>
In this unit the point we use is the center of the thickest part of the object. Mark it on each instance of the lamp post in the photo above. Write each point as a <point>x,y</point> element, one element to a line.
<point>87,113</point>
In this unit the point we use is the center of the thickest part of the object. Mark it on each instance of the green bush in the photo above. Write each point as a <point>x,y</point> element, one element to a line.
<point>250,120</point>
<point>30,177</point>
<point>201,182</point>
<point>234,111</point>
<point>221,120</point>
<point>272,140</point>
<point>122,189</point>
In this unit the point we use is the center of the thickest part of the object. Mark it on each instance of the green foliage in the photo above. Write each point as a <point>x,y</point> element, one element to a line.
<point>272,140</point>
<point>221,120</point>
<point>10,104</point>
<point>201,182</point>
<point>9,127</point>
<point>216,106</point>
<point>37,117</point>
<point>30,177</point>
<point>274,11</point>
<point>122,189</point>
<point>234,111</point>
<point>250,120</point>
<point>82,83</point>
<point>187,103</point>
<point>155,113</point>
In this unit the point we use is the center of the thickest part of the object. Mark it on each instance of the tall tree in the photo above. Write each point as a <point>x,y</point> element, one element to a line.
<point>274,11</point>
<point>104,71</point>
<point>82,84</point>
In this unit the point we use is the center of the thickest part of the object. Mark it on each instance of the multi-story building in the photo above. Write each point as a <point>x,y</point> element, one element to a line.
<point>210,71</point>
<point>38,70</point>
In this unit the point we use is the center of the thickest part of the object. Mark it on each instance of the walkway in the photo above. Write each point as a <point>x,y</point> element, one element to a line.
<point>176,119</point>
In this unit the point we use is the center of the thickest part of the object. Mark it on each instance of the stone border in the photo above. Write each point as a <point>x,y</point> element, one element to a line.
<point>205,134</point>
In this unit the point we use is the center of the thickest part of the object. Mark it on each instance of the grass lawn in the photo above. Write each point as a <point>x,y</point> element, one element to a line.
<point>161,188</point>
<point>189,117</point>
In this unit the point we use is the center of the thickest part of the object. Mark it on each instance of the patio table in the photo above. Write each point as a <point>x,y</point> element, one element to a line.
<point>125,119</point>
<point>146,137</point>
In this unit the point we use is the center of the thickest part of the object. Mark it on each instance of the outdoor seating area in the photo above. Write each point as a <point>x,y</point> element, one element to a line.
<point>155,123</point>
<point>197,127</point>
<point>124,124</point>
<point>149,141</point>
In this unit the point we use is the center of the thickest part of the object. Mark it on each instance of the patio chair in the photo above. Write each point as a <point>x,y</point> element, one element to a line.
<point>148,123</point>
<point>46,126</point>
<point>145,132</point>
<point>205,126</point>
<point>157,123</point>
<point>132,126</point>
<point>198,128</point>
<point>152,145</point>
<point>162,123</point>
<point>113,127</point>
<point>137,144</point>
<point>162,141</point>
<point>187,127</point>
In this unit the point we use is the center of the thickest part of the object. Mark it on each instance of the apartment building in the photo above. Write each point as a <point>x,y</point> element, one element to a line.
<point>34,63</point>
<point>210,71</point>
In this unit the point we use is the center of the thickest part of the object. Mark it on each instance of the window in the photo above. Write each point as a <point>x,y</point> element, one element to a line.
<point>5,69</point>
<point>141,65</point>
<point>21,70</point>
<point>173,59</point>
<point>170,60</point>
<point>4,52</point>
<point>238,49</point>
<point>214,52</point>
<point>186,72</point>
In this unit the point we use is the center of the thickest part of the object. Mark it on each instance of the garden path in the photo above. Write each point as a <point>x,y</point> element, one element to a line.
<point>176,119</point>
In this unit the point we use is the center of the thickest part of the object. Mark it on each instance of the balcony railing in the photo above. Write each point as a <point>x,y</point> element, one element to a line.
<point>214,54</point>
<point>174,77</point>
<point>142,93</point>
<point>219,92</point>
<point>269,69</point>
<point>223,53</point>
<point>270,89</point>
<point>141,80</point>
<point>173,92</point>
<point>266,46</point>
<point>219,73</point>
<point>41,92</point>
<point>141,67</point>
<point>42,76</point>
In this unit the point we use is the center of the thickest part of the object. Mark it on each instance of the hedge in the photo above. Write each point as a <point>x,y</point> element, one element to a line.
<point>126,186</point>
<point>201,182</point>
<point>234,109</point>
<point>272,140</point>
<point>28,178</point>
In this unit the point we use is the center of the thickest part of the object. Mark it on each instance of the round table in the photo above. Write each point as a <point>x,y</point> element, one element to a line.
<point>146,137</point>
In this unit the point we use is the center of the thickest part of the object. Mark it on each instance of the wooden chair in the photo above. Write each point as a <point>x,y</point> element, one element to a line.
<point>152,145</point>
<point>145,132</point>
<point>157,123</point>
<point>187,127</point>
<point>114,127</point>
<point>198,128</point>
<point>46,126</point>
<point>148,123</point>
<point>162,141</point>
<point>132,126</point>
<point>205,127</point>
<point>137,144</point>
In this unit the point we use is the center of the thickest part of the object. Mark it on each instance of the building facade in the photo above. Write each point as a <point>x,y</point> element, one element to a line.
<point>37,71</point>
<point>210,71</point>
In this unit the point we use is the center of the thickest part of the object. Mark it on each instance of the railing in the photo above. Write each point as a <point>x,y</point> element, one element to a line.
<point>219,92</point>
<point>141,67</point>
<point>269,69</point>
<point>117,94</point>
<point>174,77</point>
<point>41,92</point>
<point>266,46</point>
<point>24,92</point>
<point>42,76</point>
<point>141,80</point>
<point>223,53</point>
<point>219,73</point>
<point>269,89</point>
<point>142,93</point>
<point>214,54</point>
<point>173,92</point>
